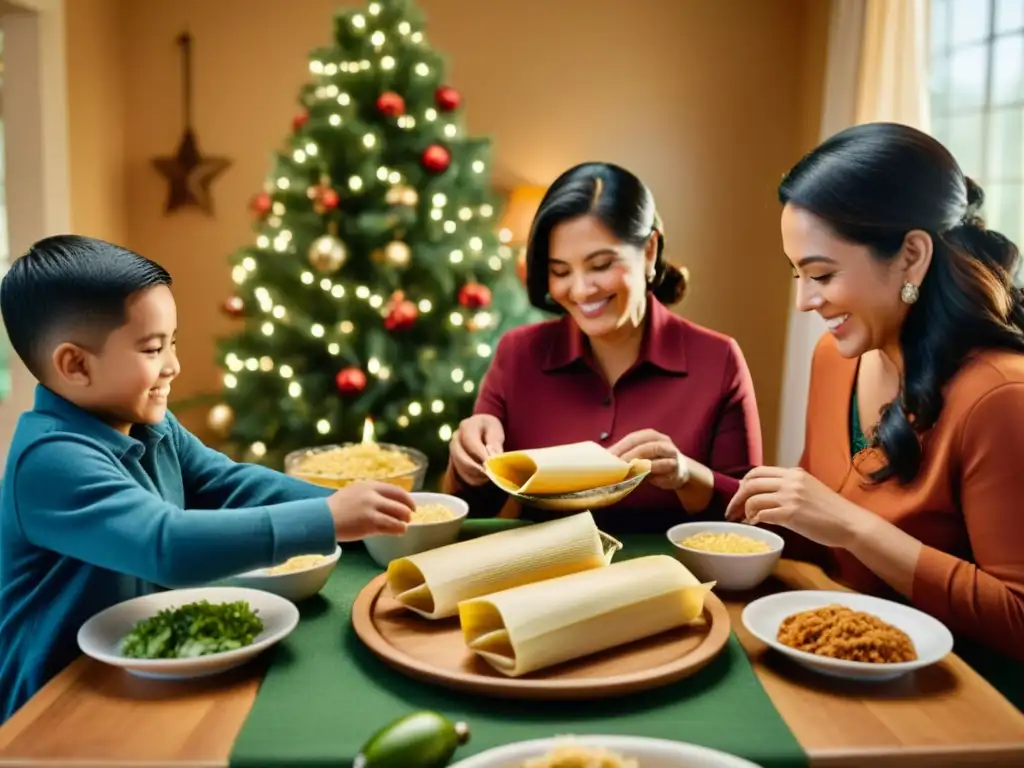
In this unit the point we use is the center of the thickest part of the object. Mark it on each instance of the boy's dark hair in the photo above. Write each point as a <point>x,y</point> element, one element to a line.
<point>71,288</point>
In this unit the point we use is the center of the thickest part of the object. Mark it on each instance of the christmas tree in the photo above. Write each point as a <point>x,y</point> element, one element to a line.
<point>378,285</point>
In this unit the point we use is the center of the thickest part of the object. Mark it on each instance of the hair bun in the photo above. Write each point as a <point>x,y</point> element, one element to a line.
<point>975,196</point>
<point>672,287</point>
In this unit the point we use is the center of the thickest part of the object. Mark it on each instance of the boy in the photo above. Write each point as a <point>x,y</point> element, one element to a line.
<point>104,492</point>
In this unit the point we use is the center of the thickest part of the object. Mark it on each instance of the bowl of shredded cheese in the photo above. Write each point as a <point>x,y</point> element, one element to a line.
<point>436,522</point>
<point>297,578</point>
<point>335,466</point>
<point>736,556</point>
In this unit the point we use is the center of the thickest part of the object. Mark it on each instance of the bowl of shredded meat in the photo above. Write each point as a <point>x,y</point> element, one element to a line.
<point>848,635</point>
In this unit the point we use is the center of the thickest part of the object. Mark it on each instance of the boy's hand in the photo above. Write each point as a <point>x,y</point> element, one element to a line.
<point>370,507</point>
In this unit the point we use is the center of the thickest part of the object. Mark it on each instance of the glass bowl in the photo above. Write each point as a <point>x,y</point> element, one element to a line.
<point>326,465</point>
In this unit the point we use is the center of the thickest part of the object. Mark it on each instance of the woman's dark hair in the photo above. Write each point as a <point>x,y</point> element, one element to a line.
<point>622,203</point>
<point>872,184</point>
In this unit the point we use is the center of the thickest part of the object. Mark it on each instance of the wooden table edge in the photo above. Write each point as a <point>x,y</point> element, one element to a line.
<point>988,754</point>
<point>794,574</point>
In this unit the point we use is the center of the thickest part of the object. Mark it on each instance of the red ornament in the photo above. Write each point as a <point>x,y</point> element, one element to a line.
<point>402,316</point>
<point>330,198</point>
<point>436,158</point>
<point>350,381</point>
<point>261,204</point>
<point>325,199</point>
<point>447,98</point>
<point>391,104</point>
<point>233,306</point>
<point>300,120</point>
<point>474,296</point>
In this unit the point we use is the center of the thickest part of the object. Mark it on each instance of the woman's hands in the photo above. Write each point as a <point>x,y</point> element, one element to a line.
<point>669,468</point>
<point>795,499</point>
<point>476,439</point>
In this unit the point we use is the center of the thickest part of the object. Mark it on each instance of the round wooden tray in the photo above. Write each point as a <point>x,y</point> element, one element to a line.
<point>434,651</point>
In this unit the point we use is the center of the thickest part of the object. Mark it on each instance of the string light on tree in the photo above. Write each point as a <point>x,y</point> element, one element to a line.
<point>220,419</point>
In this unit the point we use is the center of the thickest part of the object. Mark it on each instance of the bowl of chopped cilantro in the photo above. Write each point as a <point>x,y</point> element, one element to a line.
<point>186,633</point>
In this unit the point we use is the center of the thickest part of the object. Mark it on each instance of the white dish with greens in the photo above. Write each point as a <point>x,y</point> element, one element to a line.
<point>188,633</point>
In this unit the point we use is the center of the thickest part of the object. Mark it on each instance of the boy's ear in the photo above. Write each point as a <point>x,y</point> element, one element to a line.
<point>72,364</point>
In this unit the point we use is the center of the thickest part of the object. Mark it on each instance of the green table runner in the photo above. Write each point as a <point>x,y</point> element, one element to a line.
<point>324,694</point>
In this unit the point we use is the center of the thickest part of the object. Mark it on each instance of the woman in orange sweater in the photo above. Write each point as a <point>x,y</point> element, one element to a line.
<point>912,477</point>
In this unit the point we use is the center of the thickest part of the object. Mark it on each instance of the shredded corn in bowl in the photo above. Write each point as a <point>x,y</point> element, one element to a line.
<point>726,543</point>
<point>431,513</point>
<point>297,563</point>
<point>335,466</point>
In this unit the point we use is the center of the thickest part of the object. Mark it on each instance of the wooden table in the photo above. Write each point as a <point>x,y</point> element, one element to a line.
<point>945,715</point>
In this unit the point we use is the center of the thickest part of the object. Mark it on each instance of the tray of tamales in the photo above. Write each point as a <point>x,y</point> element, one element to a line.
<point>541,612</point>
<point>566,478</point>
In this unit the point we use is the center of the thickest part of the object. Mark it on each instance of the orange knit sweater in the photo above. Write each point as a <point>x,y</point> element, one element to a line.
<point>966,505</point>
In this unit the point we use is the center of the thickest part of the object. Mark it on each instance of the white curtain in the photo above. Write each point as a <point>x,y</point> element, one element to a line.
<point>876,71</point>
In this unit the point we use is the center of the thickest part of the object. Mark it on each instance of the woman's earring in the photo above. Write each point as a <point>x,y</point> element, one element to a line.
<point>909,293</point>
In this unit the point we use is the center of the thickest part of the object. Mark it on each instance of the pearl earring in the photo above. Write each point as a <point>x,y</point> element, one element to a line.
<point>909,293</point>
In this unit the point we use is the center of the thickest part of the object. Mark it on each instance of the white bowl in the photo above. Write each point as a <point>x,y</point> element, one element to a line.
<point>734,573</point>
<point>295,585</point>
<point>102,635</point>
<point>931,638</point>
<point>421,536</point>
<point>649,753</point>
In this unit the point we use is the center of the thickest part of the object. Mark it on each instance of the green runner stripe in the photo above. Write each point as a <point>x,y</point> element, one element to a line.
<point>324,694</point>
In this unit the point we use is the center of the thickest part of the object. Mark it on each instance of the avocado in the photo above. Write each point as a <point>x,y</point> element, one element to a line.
<point>420,740</point>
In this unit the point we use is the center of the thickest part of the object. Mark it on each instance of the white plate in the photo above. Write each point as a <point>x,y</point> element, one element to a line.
<point>101,636</point>
<point>650,753</point>
<point>294,585</point>
<point>931,638</point>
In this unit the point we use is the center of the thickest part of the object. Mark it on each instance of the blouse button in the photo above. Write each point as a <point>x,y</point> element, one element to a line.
<point>605,435</point>
<point>607,400</point>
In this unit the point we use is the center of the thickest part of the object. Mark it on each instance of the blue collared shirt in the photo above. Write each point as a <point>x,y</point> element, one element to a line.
<point>90,516</point>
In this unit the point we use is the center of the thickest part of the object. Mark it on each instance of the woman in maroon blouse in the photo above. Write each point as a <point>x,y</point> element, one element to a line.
<point>618,367</point>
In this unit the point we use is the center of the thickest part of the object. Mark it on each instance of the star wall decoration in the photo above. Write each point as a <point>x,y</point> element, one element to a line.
<point>188,173</point>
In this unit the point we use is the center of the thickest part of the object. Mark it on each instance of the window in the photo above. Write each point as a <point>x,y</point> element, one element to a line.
<point>5,371</point>
<point>977,100</point>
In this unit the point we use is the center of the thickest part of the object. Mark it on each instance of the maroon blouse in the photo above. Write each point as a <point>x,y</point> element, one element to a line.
<point>688,382</point>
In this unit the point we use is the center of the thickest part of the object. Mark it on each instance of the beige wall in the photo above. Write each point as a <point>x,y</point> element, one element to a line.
<point>96,112</point>
<point>707,101</point>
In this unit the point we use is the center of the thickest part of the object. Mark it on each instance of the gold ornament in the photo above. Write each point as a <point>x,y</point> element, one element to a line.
<point>397,254</point>
<point>402,195</point>
<point>220,419</point>
<point>327,254</point>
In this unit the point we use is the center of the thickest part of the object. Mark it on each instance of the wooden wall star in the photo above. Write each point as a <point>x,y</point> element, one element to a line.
<point>188,173</point>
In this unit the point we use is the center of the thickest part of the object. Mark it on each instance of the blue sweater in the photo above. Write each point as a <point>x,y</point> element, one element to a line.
<point>90,516</point>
